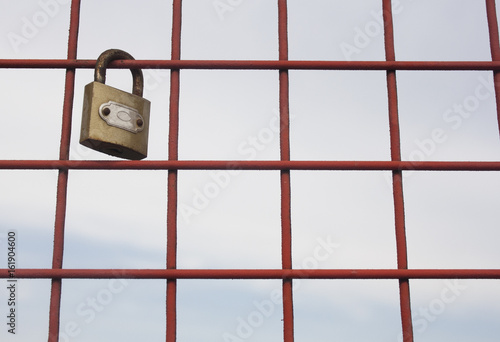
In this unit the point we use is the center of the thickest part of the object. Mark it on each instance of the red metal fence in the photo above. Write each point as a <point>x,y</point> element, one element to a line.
<point>57,273</point>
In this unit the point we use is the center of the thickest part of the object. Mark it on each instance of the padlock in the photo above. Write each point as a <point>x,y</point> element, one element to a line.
<point>113,121</point>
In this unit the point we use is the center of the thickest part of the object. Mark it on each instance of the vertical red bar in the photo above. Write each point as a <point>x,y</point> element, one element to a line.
<point>173,142</point>
<point>495,49</point>
<point>286,225</point>
<point>62,181</point>
<point>397,176</point>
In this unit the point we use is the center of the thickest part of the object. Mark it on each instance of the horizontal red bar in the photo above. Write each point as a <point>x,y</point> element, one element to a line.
<point>254,64</point>
<point>248,165</point>
<point>255,273</point>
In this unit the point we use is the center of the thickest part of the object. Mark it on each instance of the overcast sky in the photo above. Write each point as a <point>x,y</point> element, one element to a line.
<point>232,220</point>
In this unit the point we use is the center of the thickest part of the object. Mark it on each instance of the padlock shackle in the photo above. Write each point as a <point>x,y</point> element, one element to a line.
<point>114,54</point>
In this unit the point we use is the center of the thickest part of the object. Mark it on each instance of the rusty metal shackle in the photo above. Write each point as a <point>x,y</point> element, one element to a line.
<point>114,54</point>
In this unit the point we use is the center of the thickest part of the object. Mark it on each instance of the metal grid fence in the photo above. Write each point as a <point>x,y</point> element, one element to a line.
<point>287,274</point>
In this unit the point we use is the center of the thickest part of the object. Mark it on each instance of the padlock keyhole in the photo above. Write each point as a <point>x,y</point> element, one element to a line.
<point>115,151</point>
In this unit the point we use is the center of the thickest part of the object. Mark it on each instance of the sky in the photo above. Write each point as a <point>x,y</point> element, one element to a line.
<point>340,219</point>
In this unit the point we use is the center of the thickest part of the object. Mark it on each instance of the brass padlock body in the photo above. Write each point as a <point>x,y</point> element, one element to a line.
<point>99,135</point>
